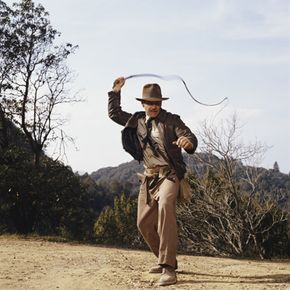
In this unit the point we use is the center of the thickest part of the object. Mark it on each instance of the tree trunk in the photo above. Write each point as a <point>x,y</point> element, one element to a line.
<point>3,130</point>
<point>37,159</point>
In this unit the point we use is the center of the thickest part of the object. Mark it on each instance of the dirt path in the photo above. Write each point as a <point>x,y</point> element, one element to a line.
<point>42,265</point>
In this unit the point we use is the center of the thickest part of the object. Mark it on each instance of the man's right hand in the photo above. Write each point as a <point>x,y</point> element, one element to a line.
<point>118,84</point>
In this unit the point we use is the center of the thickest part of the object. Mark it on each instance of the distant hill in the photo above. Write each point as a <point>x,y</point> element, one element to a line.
<point>127,171</point>
<point>125,175</point>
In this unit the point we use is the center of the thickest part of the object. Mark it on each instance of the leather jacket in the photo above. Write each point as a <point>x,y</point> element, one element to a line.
<point>171,127</point>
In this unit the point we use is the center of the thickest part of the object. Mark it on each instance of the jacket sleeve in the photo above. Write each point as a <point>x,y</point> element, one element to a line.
<point>182,130</point>
<point>115,110</point>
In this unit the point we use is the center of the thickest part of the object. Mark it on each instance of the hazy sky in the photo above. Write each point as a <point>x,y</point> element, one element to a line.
<point>223,48</point>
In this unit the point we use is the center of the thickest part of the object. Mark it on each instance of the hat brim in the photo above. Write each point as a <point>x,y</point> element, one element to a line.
<point>151,99</point>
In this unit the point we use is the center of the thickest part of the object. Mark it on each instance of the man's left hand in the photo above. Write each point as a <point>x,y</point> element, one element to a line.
<point>183,142</point>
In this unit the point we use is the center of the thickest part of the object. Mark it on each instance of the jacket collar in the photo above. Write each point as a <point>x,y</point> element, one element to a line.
<point>161,116</point>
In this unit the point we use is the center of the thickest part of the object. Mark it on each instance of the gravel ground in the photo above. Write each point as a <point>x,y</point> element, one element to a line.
<point>38,264</point>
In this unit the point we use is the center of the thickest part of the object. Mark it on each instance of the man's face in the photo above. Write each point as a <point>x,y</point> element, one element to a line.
<point>152,109</point>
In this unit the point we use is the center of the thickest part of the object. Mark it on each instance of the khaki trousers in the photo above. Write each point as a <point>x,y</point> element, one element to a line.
<point>156,220</point>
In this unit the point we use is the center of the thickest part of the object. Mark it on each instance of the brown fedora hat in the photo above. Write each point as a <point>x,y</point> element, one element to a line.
<point>151,92</point>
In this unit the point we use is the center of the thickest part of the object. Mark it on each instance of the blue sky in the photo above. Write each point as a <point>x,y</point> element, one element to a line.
<point>223,48</point>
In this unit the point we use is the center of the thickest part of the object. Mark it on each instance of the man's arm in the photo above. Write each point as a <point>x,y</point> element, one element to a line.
<point>186,139</point>
<point>114,103</point>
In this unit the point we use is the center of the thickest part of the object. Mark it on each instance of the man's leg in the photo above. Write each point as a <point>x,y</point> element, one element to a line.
<point>167,228</point>
<point>147,221</point>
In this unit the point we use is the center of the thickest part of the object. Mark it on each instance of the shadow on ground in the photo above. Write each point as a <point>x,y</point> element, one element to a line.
<point>210,278</point>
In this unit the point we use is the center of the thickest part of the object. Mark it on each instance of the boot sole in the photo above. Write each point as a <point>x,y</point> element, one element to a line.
<point>167,283</point>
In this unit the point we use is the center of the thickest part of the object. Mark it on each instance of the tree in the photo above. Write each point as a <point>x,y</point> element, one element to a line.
<point>6,58</point>
<point>48,200</point>
<point>3,130</point>
<point>35,81</point>
<point>276,167</point>
<point>5,67</point>
<point>229,215</point>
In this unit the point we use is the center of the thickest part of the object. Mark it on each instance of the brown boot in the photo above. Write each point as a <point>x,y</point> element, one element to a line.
<point>168,277</point>
<point>156,269</point>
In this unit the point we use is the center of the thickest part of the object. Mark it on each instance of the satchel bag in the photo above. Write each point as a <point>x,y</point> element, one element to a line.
<point>131,143</point>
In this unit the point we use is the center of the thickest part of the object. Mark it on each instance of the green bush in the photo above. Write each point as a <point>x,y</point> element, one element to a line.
<point>117,225</point>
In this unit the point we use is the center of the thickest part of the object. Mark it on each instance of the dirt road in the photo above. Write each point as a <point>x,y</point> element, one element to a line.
<point>43,265</point>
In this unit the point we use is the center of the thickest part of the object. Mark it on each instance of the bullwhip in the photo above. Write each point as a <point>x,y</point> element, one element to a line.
<point>175,77</point>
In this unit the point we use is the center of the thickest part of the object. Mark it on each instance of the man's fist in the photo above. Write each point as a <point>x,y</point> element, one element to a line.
<point>183,142</point>
<point>118,84</point>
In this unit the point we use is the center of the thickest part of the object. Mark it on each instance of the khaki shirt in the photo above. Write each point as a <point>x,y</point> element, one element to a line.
<point>150,159</point>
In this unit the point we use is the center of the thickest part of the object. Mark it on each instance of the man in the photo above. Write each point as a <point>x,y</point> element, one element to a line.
<point>159,137</point>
